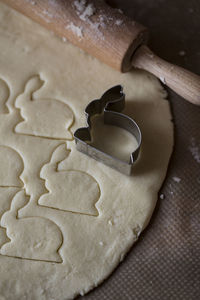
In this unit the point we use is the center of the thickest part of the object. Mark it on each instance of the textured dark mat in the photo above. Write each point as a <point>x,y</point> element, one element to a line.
<point>165,263</point>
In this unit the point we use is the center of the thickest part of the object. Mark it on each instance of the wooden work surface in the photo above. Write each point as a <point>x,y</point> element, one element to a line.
<point>165,263</point>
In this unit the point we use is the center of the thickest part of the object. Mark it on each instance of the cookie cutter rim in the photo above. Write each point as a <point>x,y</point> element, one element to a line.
<point>111,104</point>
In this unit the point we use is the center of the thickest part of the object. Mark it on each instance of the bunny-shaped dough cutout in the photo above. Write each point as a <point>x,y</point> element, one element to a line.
<point>46,117</point>
<point>69,190</point>
<point>33,238</point>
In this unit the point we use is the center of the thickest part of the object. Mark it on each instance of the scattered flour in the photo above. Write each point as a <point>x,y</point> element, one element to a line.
<point>32,3</point>
<point>120,11</point>
<point>80,5</point>
<point>182,53</point>
<point>45,12</point>
<point>118,22</point>
<point>43,16</point>
<point>176,179</point>
<point>88,12</point>
<point>95,26</point>
<point>84,10</point>
<point>75,29</point>
<point>194,149</point>
<point>102,20</point>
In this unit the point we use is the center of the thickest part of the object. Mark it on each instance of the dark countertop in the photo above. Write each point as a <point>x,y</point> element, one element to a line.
<point>165,263</point>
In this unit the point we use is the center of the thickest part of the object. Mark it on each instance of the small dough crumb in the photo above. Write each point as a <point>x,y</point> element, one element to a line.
<point>110,222</point>
<point>182,53</point>
<point>64,39</point>
<point>163,79</point>
<point>162,196</point>
<point>176,179</point>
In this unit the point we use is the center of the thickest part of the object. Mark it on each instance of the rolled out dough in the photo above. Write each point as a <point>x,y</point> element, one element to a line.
<point>67,220</point>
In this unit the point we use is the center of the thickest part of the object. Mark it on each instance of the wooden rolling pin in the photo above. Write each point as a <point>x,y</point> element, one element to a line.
<point>109,35</point>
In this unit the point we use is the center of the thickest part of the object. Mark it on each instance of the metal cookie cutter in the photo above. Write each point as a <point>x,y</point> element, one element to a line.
<point>111,103</point>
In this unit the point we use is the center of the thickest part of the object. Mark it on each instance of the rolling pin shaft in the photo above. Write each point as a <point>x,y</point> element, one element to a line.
<point>110,36</point>
<point>96,28</point>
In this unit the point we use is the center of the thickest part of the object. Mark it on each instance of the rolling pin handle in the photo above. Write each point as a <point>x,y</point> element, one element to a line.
<point>181,81</point>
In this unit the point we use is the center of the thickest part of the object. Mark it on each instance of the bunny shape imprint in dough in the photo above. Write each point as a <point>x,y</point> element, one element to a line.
<point>46,117</point>
<point>33,238</point>
<point>69,190</point>
<point>11,168</point>
<point>4,95</point>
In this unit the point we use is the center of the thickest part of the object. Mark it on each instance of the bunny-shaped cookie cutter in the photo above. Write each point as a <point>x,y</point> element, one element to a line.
<point>111,104</point>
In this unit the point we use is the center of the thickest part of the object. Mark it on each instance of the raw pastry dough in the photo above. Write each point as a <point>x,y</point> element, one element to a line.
<point>67,220</point>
